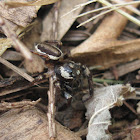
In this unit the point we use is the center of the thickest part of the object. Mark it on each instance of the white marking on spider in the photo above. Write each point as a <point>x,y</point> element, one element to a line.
<point>65,74</point>
<point>53,57</point>
<point>67,95</point>
<point>71,65</point>
<point>38,50</point>
<point>78,72</point>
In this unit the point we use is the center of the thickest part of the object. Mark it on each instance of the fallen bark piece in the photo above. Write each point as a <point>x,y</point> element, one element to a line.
<point>103,48</point>
<point>30,124</point>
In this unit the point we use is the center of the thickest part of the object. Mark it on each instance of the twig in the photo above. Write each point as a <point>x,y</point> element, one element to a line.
<point>78,6</point>
<point>55,20</point>
<point>16,42</point>
<point>128,16</point>
<point>132,30</point>
<point>124,69</point>
<point>7,105</point>
<point>51,109</point>
<point>106,7</point>
<point>112,7</point>
<point>22,87</point>
<point>17,70</point>
<point>90,19</point>
<point>130,107</point>
<point>134,10</point>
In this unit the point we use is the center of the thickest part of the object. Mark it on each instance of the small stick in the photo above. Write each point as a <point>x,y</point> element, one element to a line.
<point>16,69</point>
<point>51,109</point>
<point>16,42</point>
<point>130,107</point>
<point>7,105</point>
<point>55,20</point>
<point>124,69</point>
<point>52,89</point>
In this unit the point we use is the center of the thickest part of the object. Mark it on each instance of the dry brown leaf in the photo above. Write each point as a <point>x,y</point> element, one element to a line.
<point>64,23</point>
<point>103,49</point>
<point>15,19</point>
<point>16,3</point>
<point>21,16</point>
<point>18,20</point>
<point>23,33</point>
<point>36,65</point>
<point>12,56</point>
<point>30,124</point>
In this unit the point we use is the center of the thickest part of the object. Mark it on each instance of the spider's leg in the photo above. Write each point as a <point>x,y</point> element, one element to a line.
<point>88,75</point>
<point>90,84</point>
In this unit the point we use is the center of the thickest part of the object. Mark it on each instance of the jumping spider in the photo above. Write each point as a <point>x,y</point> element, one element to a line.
<point>69,74</point>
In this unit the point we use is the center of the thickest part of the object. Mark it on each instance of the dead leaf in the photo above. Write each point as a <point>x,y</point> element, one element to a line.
<point>16,19</point>
<point>12,56</point>
<point>98,109</point>
<point>64,23</point>
<point>29,124</point>
<point>34,66</point>
<point>20,15</point>
<point>4,45</point>
<point>29,3</point>
<point>103,48</point>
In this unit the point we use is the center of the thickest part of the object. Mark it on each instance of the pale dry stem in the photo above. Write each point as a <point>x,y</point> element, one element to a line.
<point>16,42</point>
<point>7,105</point>
<point>16,69</point>
<point>51,109</point>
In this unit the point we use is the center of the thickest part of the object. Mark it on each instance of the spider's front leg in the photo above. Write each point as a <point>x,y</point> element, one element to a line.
<point>60,101</point>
